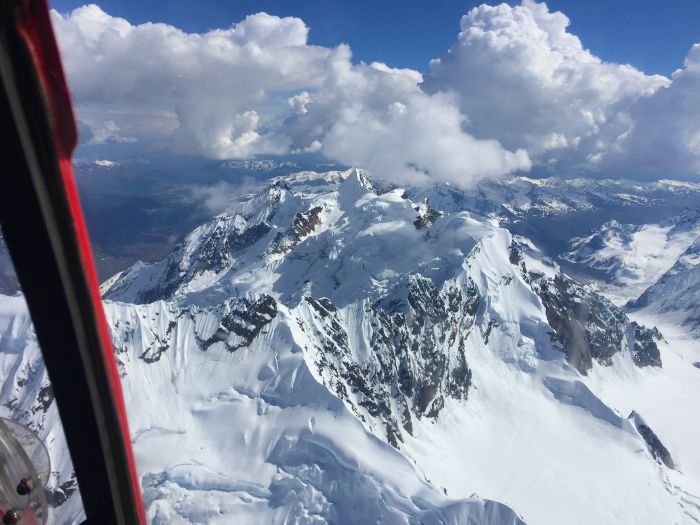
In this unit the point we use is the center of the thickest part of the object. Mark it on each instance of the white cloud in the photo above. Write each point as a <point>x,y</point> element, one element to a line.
<point>522,78</point>
<point>213,82</point>
<point>223,85</point>
<point>515,87</point>
<point>108,131</point>
<point>219,197</point>
<point>378,117</point>
<point>665,132</point>
<point>297,104</point>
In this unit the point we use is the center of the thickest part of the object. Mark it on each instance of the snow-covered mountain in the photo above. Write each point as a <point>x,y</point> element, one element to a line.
<point>651,269</point>
<point>139,211</point>
<point>260,165</point>
<point>552,211</point>
<point>629,258</point>
<point>329,352</point>
<point>522,195</point>
<point>676,294</point>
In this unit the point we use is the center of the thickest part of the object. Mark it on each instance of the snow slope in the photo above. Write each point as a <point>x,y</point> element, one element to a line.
<point>252,437</point>
<point>633,257</point>
<point>668,401</point>
<point>675,296</point>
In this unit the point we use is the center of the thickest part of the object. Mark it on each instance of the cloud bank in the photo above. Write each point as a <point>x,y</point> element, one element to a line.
<point>664,135</point>
<point>515,89</point>
<point>258,88</point>
<point>523,79</point>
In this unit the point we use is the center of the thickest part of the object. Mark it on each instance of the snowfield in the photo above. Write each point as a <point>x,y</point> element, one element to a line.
<point>331,352</point>
<point>634,257</point>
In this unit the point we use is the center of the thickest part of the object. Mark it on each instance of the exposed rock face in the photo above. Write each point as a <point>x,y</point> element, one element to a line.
<point>514,255</point>
<point>304,224</point>
<point>645,351</point>
<point>241,321</point>
<point>591,327</point>
<point>588,326</point>
<point>59,495</point>
<point>426,321</point>
<point>235,323</point>
<point>227,235</point>
<point>657,449</point>
<point>416,354</point>
<point>426,216</point>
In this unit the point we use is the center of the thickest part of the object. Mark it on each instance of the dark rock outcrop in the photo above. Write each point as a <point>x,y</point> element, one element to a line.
<point>304,224</point>
<point>426,216</point>
<point>416,356</point>
<point>57,496</point>
<point>591,327</point>
<point>514,255</point>
<point>241,321</point>
<point>645,351</point>
<point>657,449</point>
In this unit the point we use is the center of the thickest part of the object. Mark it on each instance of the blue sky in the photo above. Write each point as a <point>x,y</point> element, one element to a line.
<point>651,35</point>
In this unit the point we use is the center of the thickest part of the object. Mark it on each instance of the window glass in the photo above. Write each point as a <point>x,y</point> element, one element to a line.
<point>30,414</point>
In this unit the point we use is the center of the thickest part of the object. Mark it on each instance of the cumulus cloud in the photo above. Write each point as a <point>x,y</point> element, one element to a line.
<point>665,132</point>
<point>222,87</point>
<point>212,82</point>
<point>379,117</point>
<point>523,79</point>
<point>108,131</point>
<point>515,88</point>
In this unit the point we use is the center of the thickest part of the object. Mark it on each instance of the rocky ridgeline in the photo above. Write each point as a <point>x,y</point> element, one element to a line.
<point>153,328</point>
<point>413,356</point>
<point>304,224</point>
<point>588,326</point>
<point>657,449</point>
